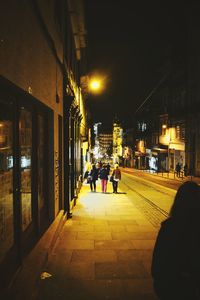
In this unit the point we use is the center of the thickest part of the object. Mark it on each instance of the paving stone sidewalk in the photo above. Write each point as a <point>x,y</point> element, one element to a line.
<point>103,252</point>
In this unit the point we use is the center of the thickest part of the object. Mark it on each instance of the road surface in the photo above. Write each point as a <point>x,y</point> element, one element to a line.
<point>151,198</point>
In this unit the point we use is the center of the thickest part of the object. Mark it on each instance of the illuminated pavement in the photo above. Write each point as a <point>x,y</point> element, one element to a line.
<point>103,252</point>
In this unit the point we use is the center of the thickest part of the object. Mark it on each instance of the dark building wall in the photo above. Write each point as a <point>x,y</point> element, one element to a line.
<point>36,86</point>
<point>193,87</point>
<point>31,56</point>
<point>27,55</point>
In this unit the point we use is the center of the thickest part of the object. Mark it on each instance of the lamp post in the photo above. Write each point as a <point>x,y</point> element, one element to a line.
<point>167,138</point>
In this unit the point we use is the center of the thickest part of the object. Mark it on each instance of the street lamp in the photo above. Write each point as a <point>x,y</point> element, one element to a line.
<point>166,140</point>
<point>96,84</point>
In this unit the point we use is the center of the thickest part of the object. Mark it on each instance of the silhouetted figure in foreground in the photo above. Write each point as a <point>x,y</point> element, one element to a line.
<point>176,258</point>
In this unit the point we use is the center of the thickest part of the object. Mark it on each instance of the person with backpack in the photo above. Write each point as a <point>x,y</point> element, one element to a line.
<point>116,176</point>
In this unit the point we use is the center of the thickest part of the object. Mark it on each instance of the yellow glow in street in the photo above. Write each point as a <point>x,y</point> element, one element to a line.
<point>96,85</point>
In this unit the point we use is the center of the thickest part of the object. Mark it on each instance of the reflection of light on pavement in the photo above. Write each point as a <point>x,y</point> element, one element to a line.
<point>98,206</point>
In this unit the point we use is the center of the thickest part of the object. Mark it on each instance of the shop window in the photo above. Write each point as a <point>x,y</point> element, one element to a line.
<point>41,159</point>
<point>6,179</point>
<point>25,136</point>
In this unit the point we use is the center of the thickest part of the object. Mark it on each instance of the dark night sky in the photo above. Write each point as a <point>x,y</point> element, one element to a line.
<point>128,42</point>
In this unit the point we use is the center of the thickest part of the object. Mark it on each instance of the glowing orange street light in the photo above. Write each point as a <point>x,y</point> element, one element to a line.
<point>96,85</point>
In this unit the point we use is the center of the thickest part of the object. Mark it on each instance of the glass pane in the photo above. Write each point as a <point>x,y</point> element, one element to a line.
<point>41,162</point>
<point>25,135</point>
<point>6,179</point>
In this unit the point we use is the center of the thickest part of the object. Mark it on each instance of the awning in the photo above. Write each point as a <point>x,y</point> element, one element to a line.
<point>177,146</point>
<point>160,150</point>
<point>137,153</point>
<point>154,153</point>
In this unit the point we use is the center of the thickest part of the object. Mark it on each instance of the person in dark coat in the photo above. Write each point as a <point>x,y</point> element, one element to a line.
<point>178,169</point>
<point>176,257</point>
<point>93,177</point>
<point>108,168</point>
<point>103,174</point>
<point>185,169</point>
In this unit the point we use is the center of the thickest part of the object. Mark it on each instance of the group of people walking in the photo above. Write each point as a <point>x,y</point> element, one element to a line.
<point>103,172</point>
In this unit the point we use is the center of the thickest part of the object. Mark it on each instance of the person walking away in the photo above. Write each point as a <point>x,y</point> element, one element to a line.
<point>103,174</point>
<point>116,174</point>
<point>87,170</point>
<point>185,169</point>
<point>93,177</point>
<point>108,168</point>
<point>176,260</point>
<point>178,169</point>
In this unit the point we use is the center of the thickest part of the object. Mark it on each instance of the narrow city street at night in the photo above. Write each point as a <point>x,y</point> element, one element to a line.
<point>99,150</point>
<point>104,251</point>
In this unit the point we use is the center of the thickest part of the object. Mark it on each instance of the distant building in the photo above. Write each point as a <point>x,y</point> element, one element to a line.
<point>117,142</point>
<point>106,144</point>
<point>96,149</point>
<point>193,93</point>
<point>128,147</point>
